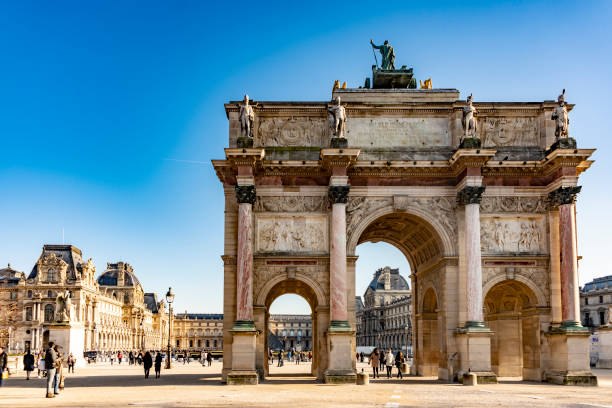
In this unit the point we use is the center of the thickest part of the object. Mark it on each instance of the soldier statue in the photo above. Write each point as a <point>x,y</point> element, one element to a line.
<point>469,119</point>
<point>337,118</point>
<point>561,118</point>
<point>246,118</point>
<point>388,54</point>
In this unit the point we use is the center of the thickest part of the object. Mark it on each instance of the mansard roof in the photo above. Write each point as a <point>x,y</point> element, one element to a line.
<point>605,282</point>
<point>397,281</point>
<point>150,300</point>
<point>67,253</point>
<point>111,275</point>
<point>9,274</point>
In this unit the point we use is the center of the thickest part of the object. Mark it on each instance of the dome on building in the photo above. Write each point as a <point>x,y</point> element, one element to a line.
<point>118,274</point>
<point>397,281</point>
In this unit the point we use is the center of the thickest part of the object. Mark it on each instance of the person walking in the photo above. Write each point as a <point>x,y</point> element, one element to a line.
<point>28,363</point>
<point>374,362</point>
<point>131,358</point>
<point>59,367</point>
<point>71,361</point>
<point>3,364</point>
<point>147,360</point>
<point>399,362</point>
<point>209,358</point>
<point>50,359</point>
<point>158,363</point>
<point>389,360</point>
<point>119,358</point>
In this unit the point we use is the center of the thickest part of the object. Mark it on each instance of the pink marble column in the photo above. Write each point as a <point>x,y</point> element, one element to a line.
<point>244,256</point>
<point>337,268</point>
<point>564,198</point>
<point>470,197</point>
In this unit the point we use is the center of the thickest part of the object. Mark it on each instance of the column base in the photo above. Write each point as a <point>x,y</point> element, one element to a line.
<point>569,356</point>
<point>242,378</point>
<point>585,378</point>
<point>482,377</point>
<point>474,347</point>
<point>340,377</point>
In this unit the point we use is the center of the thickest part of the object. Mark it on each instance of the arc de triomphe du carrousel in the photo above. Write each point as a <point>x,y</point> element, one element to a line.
<point>479,196</point>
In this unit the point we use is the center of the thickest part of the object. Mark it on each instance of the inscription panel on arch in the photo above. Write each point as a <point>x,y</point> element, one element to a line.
<point>398,132</point>
<point>291,233</point>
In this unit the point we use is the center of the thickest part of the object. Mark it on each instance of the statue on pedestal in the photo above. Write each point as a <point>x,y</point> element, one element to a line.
<point>63,305</point>
<point>246,118</point>
<point>561,118</point>
<point>336,114</point>
<point>469,139</point>
<point>388,55</point>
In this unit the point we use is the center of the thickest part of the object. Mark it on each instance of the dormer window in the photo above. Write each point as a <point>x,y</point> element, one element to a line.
<point>49,294</point>
<point>51,275</point>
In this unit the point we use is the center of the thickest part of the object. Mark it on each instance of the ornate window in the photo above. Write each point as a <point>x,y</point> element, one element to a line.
<point>49,294</point>
<point>28,314</point>
<point>49,313</point>
<point>29,293</point>
<point>13,295</point>
<point>51,275</point>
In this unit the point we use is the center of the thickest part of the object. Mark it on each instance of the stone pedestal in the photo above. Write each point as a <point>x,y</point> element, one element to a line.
<point>474,346</point>
<point>605,347</point>
<point>569,362</point>
<point>71,338</point>
<point>340,364</point>
<point>243,358</point>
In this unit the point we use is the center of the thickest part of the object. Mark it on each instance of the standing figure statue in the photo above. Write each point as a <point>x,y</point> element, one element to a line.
<point>561,118</point>
<point>469,119</point>
<point>388,54</point>
<point>246,118</point>
<point>63,304</point>
<point>337,118</point>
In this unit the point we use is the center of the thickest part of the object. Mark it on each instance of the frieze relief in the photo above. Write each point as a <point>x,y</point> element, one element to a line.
<point>291,131</point>
<point>292,234</point>
<point>264,273</point>
<point>504,131</point>
<point>358,208</point>
<point>513,204</point>
<point>514,235</point>
<point>442,208</point>
<point>291,204</point>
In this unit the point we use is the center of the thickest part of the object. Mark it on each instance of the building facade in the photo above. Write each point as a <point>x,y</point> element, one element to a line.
<point>290,332</point>
<point>110,313</point>
<point>596,301</point>
<point>384,319</point>
<point>197,331</point>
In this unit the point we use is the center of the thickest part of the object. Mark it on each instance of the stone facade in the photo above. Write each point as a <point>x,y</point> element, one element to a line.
<point>197,331</point>
<point>110,313</point>
<point>291,332</point>
<point>489,232</point>
<point>596,301</point>
<point>385,319</point>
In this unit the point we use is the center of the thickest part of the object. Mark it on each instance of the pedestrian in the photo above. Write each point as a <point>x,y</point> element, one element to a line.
<point>50,360</point>
<point>297,357</point>
<point>309,355</point>
<point>41,365</point>
<point>389,360</point>
<point>59,367</point>
<point>374,361</point>
<point>28,363</point>
<point>131,357</point>
<point>158,363</point>
<point>71,361</point>
<point>361,355</point>
<point>270,356</point>
<point>147,360</point>
<point>209,358</point>
<point>399,362</point>
<point>119,358</point>
<point>3,365</point>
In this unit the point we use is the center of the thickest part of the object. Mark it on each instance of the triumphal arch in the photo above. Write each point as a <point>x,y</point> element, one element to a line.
<point>479,197</point>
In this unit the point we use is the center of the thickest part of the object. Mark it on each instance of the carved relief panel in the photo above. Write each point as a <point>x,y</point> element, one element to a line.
<point>504,204</point>
<point>265,271</point>
<point>508,131</point>
<point>292,131</point>
<point>291,204</point>
<point>291,233</point>
<point>513,235</point>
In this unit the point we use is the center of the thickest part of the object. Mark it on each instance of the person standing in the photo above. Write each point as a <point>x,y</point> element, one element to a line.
<point>147,360</point>
<point>119,358</point>
<point>41,365</point>
<point>71,361</point>
<point>3,363</point>
<point>158,363</point>
<point>209,358</point>
<point>399,362</point>
<point>374,362</point>
<point>50,359</point>
<point>389,363</point>
<point>28,363</point>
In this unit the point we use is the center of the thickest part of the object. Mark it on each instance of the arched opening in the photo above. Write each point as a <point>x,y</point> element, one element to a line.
<point>511,313</point>
<point>427,244</point>
<point>289,343</point>
<point>285,337</point>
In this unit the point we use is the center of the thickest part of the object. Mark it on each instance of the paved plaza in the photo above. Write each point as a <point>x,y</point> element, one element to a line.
<point>193,386</point>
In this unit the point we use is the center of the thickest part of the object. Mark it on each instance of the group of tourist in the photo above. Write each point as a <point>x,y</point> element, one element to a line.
<point>381,359</point>
<point>289,355</point>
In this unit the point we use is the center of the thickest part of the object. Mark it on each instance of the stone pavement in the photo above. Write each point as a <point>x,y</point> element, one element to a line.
<point>192,385</point>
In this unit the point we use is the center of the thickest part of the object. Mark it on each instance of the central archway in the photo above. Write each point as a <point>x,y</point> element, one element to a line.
<point>273,290</point>
<point>426,240</point>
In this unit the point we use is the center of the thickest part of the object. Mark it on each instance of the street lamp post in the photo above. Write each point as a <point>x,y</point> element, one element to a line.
<point>406,329</point>
<point>142,333</point>
<point>169,299</point>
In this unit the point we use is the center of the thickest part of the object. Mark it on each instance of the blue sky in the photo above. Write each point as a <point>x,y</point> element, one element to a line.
<point>111,111</point>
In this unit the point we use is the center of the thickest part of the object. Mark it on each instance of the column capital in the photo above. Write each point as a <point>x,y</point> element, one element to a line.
<point>339,194</point>
<point>564,195</point>
<point>470,195</point>
<point>245,194</point>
